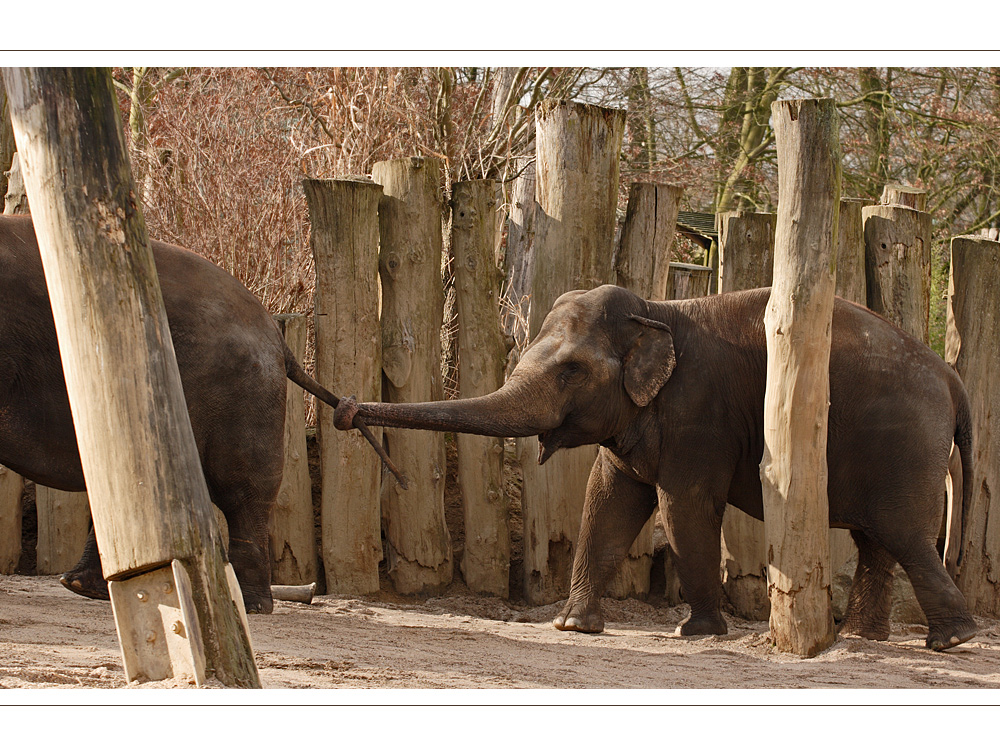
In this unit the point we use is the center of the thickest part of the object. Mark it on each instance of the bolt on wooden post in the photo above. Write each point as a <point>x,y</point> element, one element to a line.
<point>797,324</point>
<point>344,220</point>
<point>176,610</point>
<point>576,185</point>
<point>419,545</point>
<point>481,358</point>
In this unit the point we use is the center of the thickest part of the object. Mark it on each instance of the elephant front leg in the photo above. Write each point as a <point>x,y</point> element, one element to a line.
<point>87,577</point>
<point>615,510</point>
<point>694,533</point>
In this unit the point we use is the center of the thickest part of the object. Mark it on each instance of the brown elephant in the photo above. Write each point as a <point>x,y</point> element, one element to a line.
<point>674,394</point>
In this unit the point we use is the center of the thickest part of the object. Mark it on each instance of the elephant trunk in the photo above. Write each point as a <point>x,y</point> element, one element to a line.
<point>506,412</point>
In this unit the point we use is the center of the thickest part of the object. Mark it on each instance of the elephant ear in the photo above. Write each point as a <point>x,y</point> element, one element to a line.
<point>649,362</point>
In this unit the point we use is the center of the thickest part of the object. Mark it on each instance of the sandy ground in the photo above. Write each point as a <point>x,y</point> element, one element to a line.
<point>51,638</point>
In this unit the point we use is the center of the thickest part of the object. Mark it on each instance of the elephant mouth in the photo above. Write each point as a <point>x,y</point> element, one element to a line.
<point>547,446</point>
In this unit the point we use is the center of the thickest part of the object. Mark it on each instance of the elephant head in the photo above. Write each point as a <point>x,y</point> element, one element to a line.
<point>598,359</point>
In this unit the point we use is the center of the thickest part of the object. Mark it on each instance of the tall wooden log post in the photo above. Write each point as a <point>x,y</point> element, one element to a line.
<point>577,154</point>
<point>972,346</point>
<point>898,266</point>
<point>746,261</point>
<point>419,546</point>
<point>481,357</point>
<point>293,528</point>
<point>642,265</point>
<point>63,527</point>
<point>519,262</point>
<point>797,323</point>
<point>7,146</point>
<point>345,241</point>
<point>174,595</point>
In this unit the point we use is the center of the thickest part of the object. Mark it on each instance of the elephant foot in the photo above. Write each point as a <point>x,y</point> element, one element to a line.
<point>258,604</point>
<point>706,624</point>
<point>941,636</point>
<point>89,583</point>
<point>579,618</point>
<point>872,631</point>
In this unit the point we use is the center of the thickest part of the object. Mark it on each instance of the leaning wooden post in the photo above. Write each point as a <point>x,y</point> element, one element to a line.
<point>63,527</point>
<point>576,165</point>
<point>642,265</point>
<point>797,323</point>
<point>173,594</point>
<point>898,266</point>
<point>481,357</point>
<point>293,530</point>
<point>344,238</point>
<point>420,559</point>
<point>746,261</point>
<point>972,346</point>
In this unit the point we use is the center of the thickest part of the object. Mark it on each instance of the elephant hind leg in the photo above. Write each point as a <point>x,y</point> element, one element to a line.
<point>87,577</point>
<point>870,600</point>
<point>615,510</point>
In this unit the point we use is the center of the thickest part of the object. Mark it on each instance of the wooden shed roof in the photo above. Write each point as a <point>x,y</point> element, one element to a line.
<point>699,227</point>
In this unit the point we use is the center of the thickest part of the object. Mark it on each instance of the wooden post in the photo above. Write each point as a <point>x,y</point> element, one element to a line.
<point>851,251</point>
<point>642,264</point>
<point>63,527</point>
<point>520,256</point>
<point>797,323</point>
<point>576,165</point>
<point>972,346</point>
<point>15,200</point>
<point>899,194</point>
<point>345,234</point>
<point>7,146</point>
<point>898,266</point>
<point>293,528</point>
<point>147,492</point>
<point>419,547</point>
<point>746,261</point>
<point>11,488</point>
<point>481,356</point>
<point>686,281</point>
<point>746,250</point>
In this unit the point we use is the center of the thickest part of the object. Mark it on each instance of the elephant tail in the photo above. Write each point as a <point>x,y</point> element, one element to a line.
<point>297,375</point>
<point>964,443</point>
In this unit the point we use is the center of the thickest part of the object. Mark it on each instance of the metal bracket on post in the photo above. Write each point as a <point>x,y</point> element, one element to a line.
<point>158,626</point>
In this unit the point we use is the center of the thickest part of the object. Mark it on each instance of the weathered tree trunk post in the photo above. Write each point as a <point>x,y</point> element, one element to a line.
<point>63,527</point>
<point>973,347</point>
<point>746,250</point>
<point>746,261</point>
<point>148,495</point>
<point>481,357</point>
<point>7,146</point>
<point>412,303</point>
<point>642,265</point>
<point>577,155</point>
<point>798,327</point>
<point>909,196</point>
<point>851,251</point>
<point>898,266</point>
<point>11,488</point>
<point>686,281</point>
<point>15,201</point>
<point>520,257</point>
<point>293,530</point>
<point>345,238</point>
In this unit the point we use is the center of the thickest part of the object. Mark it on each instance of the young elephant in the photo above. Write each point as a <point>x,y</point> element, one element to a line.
<point>674,394</point>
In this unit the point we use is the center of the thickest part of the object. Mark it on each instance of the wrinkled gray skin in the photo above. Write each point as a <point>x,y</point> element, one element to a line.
<point>674,393</point>
<point>233,365</point>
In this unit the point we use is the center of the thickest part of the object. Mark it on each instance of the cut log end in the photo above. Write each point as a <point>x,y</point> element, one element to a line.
<point>302,594</point>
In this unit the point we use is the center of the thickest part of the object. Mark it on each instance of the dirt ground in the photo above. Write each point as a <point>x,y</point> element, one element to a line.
<point>53,639</point>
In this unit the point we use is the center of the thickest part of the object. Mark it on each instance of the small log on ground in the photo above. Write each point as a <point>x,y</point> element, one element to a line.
<point>797,323</point>
<point>302,594</point>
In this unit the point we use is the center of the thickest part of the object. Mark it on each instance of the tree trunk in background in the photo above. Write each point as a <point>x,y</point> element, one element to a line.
<point>798,326</point>
<point>578,148</point>
<point>293,529</point>
<point>746,254</point>
<point>642,263</point>
<point>345,238</point>
<point>150,508</point>
<point>481,355</point>
<point>63,527</point>
<point>972,348</point>
<point>419,547</point>
<point>877,93</point>
<point>898,266</point>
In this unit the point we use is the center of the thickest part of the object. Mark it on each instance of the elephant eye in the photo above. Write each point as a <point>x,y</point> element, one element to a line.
<point>572,372</point>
